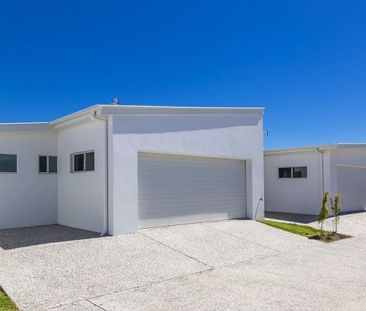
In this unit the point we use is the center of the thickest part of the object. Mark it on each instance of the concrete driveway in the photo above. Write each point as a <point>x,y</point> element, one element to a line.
<point>227,265</point>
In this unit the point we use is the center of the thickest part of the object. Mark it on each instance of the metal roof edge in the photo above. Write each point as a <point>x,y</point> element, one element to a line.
<point>24,126</point>
<point>318,147</point>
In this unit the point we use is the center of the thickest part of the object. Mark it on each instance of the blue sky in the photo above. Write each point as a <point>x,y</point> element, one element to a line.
<point>305,61</point>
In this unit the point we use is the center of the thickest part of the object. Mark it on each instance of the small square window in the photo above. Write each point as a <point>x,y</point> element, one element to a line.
<point>284,172</point>
<point>8,163</point>
<point>82,162</point>
<point>47,164</point>
<point>300,172</point>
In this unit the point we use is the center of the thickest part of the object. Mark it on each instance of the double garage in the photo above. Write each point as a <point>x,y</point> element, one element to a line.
<point>183,165</point>
<point>184,189</point>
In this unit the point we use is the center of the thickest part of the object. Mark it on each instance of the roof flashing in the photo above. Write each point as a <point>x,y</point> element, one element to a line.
<point>316,148</point>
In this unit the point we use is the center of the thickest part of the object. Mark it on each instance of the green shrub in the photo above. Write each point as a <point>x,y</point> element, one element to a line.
<point>323,213</point>
<point>335,205</point>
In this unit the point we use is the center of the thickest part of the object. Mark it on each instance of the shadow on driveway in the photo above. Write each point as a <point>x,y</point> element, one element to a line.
<point>23,237</point>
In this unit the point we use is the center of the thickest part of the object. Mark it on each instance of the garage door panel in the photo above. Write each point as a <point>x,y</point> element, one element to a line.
<point>351,185</point>
<point>176,189</point>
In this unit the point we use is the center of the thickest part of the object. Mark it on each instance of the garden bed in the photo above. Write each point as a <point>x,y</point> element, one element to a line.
<point>307,231</point>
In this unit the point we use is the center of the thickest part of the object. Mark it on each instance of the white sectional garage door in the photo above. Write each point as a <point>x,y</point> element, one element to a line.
<point>180,189</point>
<point>351,184</point>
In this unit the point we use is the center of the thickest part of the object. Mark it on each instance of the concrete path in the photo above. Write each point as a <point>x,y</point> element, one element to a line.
<point>354,224</point>
<point>227,265</point>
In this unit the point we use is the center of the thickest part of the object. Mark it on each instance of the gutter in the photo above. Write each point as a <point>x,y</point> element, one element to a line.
<point>75,115</point>
<point>94,117</point>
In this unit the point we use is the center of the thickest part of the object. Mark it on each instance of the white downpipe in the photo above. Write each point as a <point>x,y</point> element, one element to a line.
<point>95,117</point>
<point>322,183</point>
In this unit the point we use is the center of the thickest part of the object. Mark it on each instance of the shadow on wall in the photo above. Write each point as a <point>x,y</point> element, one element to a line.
<point>300,218</point>
<point>23,237</point>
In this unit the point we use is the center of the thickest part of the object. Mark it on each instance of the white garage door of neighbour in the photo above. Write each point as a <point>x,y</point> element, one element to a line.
<point>351,183</point>
<point>182,189</point>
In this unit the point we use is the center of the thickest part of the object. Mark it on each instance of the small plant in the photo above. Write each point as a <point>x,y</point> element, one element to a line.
<point>335,205</point>
<point>323,214</point>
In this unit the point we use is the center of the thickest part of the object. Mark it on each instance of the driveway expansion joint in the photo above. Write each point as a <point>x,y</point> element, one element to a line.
<point>144,285</point>
<point>178,251</point>
<point>94,304</point>
<point>56,307</point>
<point>246,240</point>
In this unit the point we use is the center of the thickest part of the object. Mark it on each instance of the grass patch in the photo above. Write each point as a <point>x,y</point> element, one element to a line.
<point>5,303</point>
<point>294,228</point>
<point>306,231</point>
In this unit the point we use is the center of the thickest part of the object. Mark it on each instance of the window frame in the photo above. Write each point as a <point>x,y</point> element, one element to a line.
<point>47,164</point>
<point>16,163</point>
<point>72,163</point>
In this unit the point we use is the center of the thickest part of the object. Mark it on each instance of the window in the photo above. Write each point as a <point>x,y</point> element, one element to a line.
<point>293,172</point>
<point>8,163</point>
<point>82,162</point>
<point>89,161</point>
<point>42,164</point>
<point>300,172</point>
<point>79,162</point>
<point>47,164</point>
<point>52,164</point>
<point>284,172</point>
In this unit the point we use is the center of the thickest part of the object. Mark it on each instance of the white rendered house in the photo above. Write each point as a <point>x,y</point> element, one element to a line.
<point>114,169</point>
<point>296,179</point>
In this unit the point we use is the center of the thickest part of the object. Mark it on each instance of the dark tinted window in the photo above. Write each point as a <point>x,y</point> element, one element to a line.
<point>52,164</point>
<point>79,162</point>
<point>42,164</point>
<point>284,172</point>
<point>300,172</point>
<point>89,161</point>
<point>8,163</point>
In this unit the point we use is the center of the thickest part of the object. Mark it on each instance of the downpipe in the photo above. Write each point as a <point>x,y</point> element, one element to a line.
<point>95,117</point>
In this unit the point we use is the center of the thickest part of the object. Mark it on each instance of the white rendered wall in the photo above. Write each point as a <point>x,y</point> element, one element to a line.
<point>292,195</point>
<point>354,157</point>
<point>350,156</point>
<point>222,136</point>
<point>28,198</point>
<point>82,195</point>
